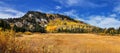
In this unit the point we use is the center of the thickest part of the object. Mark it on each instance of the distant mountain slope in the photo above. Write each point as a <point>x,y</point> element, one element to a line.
<point>39,22</point>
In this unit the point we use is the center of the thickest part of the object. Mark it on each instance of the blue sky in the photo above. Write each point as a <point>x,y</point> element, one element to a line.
<point>102,13</point>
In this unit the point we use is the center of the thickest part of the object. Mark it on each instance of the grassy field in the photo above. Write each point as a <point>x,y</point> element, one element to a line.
<point>67,43</point>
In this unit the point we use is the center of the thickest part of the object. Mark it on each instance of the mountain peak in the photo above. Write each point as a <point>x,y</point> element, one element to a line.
<point>34,19</point>
<point>32,12</point>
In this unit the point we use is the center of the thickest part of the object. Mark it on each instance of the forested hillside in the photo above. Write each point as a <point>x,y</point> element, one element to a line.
<point>34,21</point>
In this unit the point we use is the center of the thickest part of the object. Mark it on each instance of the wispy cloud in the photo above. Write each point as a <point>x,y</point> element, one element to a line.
<point>71,13</point>
<point>8,12</point>
<point>81,3</point>
<point>2,3</point>
<point>117,9</point>
<point>58,7</point>
<point>96,20</point>
<point>103,21</point>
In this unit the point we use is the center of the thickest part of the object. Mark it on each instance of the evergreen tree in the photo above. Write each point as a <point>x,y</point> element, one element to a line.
<point>4,25</point>
<point>111,31</point>
<point>118,30</point>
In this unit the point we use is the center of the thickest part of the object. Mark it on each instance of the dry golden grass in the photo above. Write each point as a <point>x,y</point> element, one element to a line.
<point>27,33</point>
<point>68,43</point>
<point>19,34</point>
<point>10,42</point>
<point>7,41</point>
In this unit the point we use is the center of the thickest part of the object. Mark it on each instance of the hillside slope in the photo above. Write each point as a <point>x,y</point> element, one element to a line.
<point>40,22</point>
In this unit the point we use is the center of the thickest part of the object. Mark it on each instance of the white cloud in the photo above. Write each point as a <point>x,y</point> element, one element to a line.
<point>8,12</point>
<point>103,21</point>
<point>72,13</point>
<point>113,15</point>
<point>58,7</point>
<point>96,20</point>
<point>81,3</point>
<point>117,9</point>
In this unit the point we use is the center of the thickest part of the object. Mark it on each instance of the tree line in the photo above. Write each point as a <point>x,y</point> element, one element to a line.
<point>82,29</point>
<point>62,28</point>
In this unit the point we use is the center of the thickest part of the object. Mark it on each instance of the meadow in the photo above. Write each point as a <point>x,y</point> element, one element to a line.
<point>68,43</point>
<point>12,42</point>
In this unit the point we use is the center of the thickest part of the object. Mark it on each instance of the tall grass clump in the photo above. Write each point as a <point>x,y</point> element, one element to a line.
<point>7,39</point>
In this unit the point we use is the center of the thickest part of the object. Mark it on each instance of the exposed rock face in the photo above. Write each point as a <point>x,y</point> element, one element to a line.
<point>33,21</point>
<point>19,24</point>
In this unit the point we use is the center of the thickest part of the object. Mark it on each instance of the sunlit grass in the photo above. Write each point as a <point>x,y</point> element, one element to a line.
<point>70,43</point>
<point>7,41</point>
<point>12,42</point>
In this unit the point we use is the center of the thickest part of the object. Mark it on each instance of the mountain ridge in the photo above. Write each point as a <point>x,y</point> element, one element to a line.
<point>36,21</point>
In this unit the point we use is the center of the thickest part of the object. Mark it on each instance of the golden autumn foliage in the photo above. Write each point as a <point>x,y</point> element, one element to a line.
<point>51,28</point>
<point>64,25</point>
